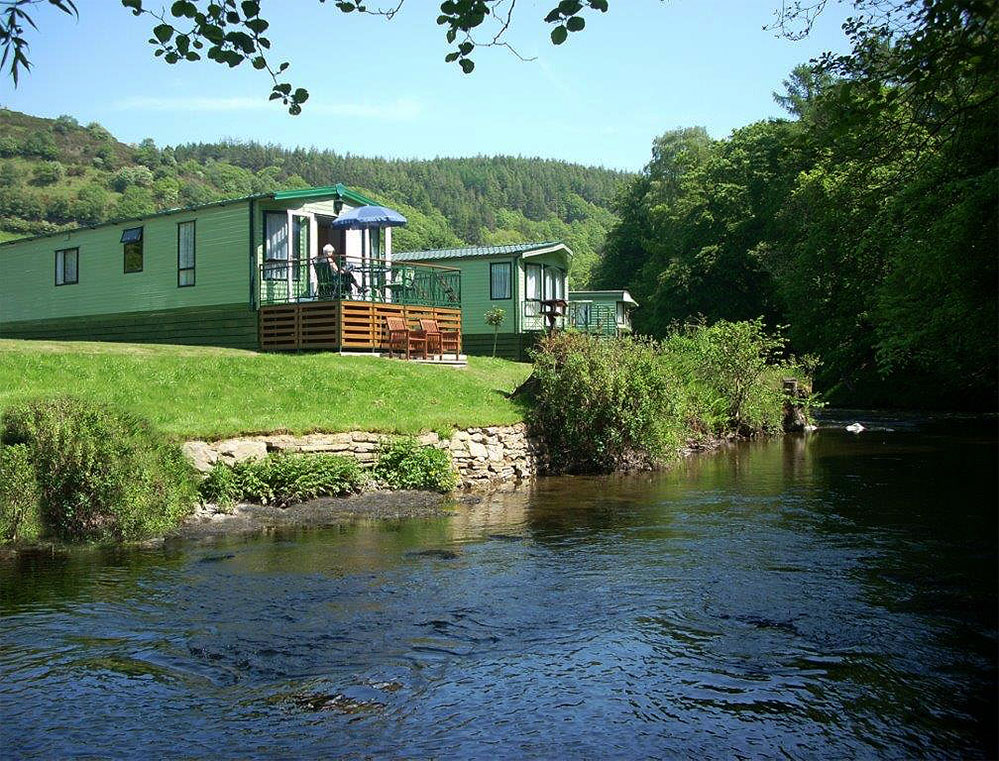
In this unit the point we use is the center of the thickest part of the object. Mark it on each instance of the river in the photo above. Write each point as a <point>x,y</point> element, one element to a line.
<point>831,595</point>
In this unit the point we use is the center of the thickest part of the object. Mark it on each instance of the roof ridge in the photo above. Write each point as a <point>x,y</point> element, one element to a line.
<point>483,250</point>
<point>278,195</point>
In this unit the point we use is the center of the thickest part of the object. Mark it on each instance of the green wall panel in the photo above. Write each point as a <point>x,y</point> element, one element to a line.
<point>513,346</point>
<point>27,269</point>
<point>230,325</point>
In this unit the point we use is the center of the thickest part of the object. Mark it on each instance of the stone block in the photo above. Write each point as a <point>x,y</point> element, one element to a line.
<point>201,455</point>
<point>325,446</point>
<point>241,450</point>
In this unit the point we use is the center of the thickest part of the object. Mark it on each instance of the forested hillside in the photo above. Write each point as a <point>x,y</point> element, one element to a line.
<point>58,173</point>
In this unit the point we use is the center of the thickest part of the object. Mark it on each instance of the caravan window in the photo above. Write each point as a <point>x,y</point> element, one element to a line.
<point>275,245</point>
<point>551,283</point>
<point>533,275</point>
<point>66,271</point>
<point>132,246</point>
<point>301,245</point>
<point>499,281</point>
<point>185,254</point>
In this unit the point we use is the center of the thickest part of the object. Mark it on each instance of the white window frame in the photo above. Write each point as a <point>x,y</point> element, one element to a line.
<point>60,266</point>
<point>509,281</point>
<point>538,289</point>
<point>194,254</point>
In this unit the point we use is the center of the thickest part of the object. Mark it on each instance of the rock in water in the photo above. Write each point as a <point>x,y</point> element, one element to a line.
<point>794,420</point>
<point>855,428</point>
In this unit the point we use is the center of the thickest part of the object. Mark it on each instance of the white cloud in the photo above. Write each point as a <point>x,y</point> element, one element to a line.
<point>401,109</point>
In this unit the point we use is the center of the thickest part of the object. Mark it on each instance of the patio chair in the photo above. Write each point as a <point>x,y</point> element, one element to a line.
<point>443,340</point>
<point>403,339</point>
<point>327,280</point>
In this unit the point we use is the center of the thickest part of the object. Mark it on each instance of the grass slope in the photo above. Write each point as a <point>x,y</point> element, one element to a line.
<point>207,392</point>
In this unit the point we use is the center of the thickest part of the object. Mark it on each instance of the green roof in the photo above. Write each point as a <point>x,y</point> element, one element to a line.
<point>472,252</point>
<point>619,295</point>
<point>330,190</point>
<point>338,190</point>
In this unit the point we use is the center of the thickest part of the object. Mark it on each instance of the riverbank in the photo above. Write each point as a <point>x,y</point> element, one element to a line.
<point>330,423</point>
<point>210,521</point>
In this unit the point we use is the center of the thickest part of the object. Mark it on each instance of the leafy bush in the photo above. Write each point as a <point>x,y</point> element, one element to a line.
<point>405,464</point>
<point>91,204</point>
<point>732,374</point>
<point>20,518</point>
<point>65,123</point>
<point>10,175</point>
<point>131,176</point>
<point>42,145</point>
<point>134,202</point>
<point>600,401</point>
<point>605,403</point>
<point>9,146</point>
<point>49,173</point>
<point>282,479</point>
<point>221,486</point>
<point>102,474</point>
<point>295,478</point>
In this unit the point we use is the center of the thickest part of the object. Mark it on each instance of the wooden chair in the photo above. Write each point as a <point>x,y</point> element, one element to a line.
<point>403,339</point>
<point>442,340</point>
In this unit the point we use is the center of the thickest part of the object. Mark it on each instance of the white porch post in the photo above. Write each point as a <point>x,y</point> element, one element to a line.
<point>387,255</point>
<point>288,252</point>
<point>313,254</point>
<point>365,259</point>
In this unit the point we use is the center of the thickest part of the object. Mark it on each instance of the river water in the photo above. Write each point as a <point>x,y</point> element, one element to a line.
<point>822,596</point>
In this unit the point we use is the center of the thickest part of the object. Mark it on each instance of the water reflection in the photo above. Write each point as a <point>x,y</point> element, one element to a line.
<point>820,596</point>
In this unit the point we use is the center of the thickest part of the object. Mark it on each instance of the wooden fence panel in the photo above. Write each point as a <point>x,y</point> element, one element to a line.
<point>344,325</point>
<point>319,325</point>
<point>356,318</point>
<point>279,328</point>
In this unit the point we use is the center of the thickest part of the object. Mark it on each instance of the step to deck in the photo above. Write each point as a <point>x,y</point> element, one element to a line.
<point>446,361</point>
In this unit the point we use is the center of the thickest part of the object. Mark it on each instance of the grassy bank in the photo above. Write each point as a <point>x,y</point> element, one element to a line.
<point>207,392</point>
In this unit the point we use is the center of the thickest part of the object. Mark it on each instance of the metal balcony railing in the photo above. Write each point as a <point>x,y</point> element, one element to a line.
<point>533,317</point>
<point>284,281</point>
<point>600,319</point>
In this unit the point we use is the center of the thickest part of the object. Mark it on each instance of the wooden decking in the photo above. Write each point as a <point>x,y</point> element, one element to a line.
<point>341,325</point>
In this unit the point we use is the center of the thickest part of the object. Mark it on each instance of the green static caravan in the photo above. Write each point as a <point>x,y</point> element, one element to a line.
<point>604,313</point>
<point>195,275</point>
<point>516,278</point>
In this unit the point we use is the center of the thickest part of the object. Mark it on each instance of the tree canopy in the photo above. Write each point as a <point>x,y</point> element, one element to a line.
<point>868,223</point>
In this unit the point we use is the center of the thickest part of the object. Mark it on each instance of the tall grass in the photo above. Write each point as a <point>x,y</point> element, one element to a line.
<point>100,474</point>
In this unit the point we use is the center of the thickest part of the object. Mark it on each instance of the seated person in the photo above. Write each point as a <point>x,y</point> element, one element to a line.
<point>327,273</point>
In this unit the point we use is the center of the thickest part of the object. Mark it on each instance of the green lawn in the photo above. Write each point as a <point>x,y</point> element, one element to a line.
<point>207,392</point>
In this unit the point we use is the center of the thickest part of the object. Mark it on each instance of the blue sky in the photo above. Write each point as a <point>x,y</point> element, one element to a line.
<point>382,88</point>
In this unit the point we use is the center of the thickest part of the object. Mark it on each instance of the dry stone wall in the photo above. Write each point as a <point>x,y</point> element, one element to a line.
<point>483,457</point>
